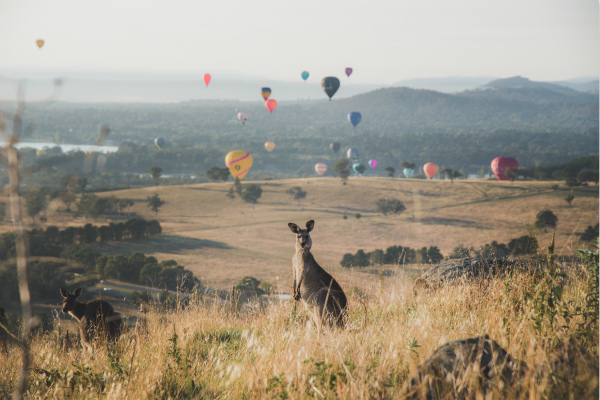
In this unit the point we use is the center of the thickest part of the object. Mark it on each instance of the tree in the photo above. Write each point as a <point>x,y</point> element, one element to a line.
<point>342,168</point>
<point>296,193</point>
<point>545,219</point>
<point>391,171</point>
<point>251,193</point>
<point>154,203</point>
<point>2,211</point>
<point>569,198</point>
<point>407,164</point>
<point>360,168</point>
<point>35,202</point>
<point>237,186</point>
<point>215,174</point>
<point>230,194</point>
<point>156,172</point>
<point>587,175</point>
<point>451,174</point>
<point>81,184</point>
<point>590,233</point>
<point>523,245</point>
<point>387,206</point>
<point>250,286</point>
<point>460,251</point>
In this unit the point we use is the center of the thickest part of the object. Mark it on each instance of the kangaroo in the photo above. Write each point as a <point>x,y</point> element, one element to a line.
<point>320,293</point>
<point>96,317</point>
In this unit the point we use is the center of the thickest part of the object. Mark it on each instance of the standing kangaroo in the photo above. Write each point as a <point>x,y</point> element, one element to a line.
<point>96,318</point>
<point>319,291</point>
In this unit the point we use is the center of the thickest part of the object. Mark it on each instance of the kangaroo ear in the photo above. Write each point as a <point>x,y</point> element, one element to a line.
<point>77,292</point>
<point>64,292</point>
<point>310,225</point>
<point>294,228</point>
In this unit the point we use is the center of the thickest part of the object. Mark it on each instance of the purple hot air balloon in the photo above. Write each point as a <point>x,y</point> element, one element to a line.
<point>348,71</point>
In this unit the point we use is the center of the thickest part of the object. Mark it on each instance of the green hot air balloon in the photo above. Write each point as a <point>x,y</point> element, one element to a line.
<point>330,85</point>
<point>305,75</point>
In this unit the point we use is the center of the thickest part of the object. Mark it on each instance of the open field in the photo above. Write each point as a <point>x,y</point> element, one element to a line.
<point>221,240</point>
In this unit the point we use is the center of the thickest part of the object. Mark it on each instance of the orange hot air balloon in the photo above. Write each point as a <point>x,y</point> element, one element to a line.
<point>239,163</point>
<point>320,168</point>
<point>430,170</point>
<point>207,79</point>
<point>40,43</point>
<point>269,146</point>
<point>271,104</point>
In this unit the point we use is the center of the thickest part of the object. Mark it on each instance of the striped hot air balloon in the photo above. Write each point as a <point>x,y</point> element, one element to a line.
<point>320,168</point>
<point>239,163</point>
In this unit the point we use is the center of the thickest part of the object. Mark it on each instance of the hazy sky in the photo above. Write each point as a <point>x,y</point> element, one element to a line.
<point>385,41</point>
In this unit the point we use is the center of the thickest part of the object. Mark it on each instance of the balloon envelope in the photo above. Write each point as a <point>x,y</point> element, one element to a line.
<point>430,169</point>
<point>265,92</point>
<point>207,79</point>
<point>271,104</point>
<point>239,163</point>
<point>305,75</point>
<point>359,168</point>
<point>354,117</point>
<point>40,43</point>
<point>352,153</point>
<point>243,117</point>
<point>348,71</point>
<point>320,168</point>
<point>269,146</point>
<point>408,172</point>
<point>501,164</point>
<point>330,85</point>
<point>160,142</point>
<point>373,163</point>
<point>335,147</point>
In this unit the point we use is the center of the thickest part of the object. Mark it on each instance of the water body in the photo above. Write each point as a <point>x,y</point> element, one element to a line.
<point>65,147</point>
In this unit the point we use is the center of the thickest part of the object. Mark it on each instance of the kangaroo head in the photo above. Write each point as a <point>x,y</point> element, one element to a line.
<point>69,299</point>
<point>303,239</point>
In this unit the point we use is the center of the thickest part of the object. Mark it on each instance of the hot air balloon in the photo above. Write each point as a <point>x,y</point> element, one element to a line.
<point>501,164</point>
<point>207,79</point>
<point>40,43</point>
<point>243,117</point>
<point>269,146</point>
<point>335,147</point>
<point>265,92</point>
<point>430,169</point>
<point>373,163</point>
<point>352,153</point>
<point>359,168</point>
<point>320,168</point>
<point>408,172</point>
<point>354,118</point>
<point>160,142</point>
<point>239,163</point>
<point>348,71</point>
<point>330,85</point>
<point>271,104</point>
<point>305,75</point>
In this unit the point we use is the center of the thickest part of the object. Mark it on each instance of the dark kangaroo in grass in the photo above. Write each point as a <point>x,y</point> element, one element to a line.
<point>97,318</point>
<point>319,292</point>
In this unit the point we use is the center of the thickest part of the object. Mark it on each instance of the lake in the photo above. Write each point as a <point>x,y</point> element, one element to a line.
<point>65,147</point>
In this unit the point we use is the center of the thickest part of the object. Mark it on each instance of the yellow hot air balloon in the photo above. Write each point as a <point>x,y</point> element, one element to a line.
<point>269,146</point>
<point>239,163</point>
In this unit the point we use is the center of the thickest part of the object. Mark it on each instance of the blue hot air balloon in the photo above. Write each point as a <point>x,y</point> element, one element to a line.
<point>305,75</point>
<point>359,168</point>
<point>408,172</point>
<point>354,117</point>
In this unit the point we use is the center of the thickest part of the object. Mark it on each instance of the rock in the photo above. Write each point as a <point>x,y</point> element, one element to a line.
<point>467,368</point>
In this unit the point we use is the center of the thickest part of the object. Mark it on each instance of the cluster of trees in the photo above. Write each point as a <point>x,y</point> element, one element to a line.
<point>249,287</point>
<point>387,206</point>
<point>392,255</point>
<point>249,192</point>
<point>52,241</point>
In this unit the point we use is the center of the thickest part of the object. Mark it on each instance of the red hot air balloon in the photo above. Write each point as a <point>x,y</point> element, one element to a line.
<point>501,164</point>
<point>430,169</point>
<point>271,104</point>
<point>207,79</point>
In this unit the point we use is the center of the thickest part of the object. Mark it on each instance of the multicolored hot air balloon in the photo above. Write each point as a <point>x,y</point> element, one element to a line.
<point>348,71</point>
<point>330,85</point>
<point>354,117</point>
<point>305,75</point>
<point>430,169</point>
<point>352,153</point>
<point>271,104</point>
<point>408,172</point>
<point>265,92</point>
<point>40,43</point>
<point>239,163</point>
<point>160,142</point>
<point>320,168</point>
<point>207,79</point>
<point>335,147</point>
<point>269,146</point>
<point>243,117</point>
<point>359,168</point>
<point>501,164</point>
<point>373,163</point>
